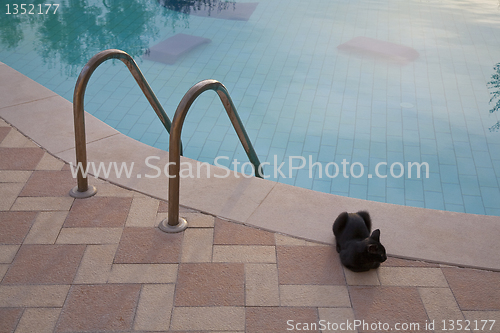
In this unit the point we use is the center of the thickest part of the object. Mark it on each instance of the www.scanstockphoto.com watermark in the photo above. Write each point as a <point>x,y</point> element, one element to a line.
<point>354,325</point>
<point>285,169</point>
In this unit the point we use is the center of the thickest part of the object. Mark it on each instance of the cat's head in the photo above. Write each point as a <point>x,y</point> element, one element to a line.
<point>375,248</point>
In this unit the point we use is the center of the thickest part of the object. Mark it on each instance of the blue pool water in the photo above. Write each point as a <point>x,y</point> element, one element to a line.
<point>297,92</point>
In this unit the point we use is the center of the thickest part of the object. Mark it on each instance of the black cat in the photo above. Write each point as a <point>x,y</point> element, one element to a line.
<point>359,251</point>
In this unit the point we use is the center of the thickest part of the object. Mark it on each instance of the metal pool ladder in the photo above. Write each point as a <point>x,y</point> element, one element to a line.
<point>173,223</point>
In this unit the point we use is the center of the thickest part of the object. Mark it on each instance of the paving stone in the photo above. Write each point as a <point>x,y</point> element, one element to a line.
<point>283,240</point>
<point>163,208</point>
<point>195,220</point>
<point>89,236</point>
<point>46,227</point>
<point>440,305</point>
<point>398,262</point>
<point>42,203</point>
<point>215,318</point>
<point>49,162</point>
<point>108,307</point>
<point>45,264</point>
<point>14,176</point>
<point>203,331</point>
<point>48,183</point>
<point>155,307</point>
<point>369,278</point>
<point>244,253</point>
<point>49,296</point>
<point>197,245</point>
<point>106,189</point>
<point>9,317</point>
<point>31,144</point>
<point>198,220</point>
<point>4,131</point>
<point>105,212</point>
<point>7,253</point>
<point>148,246</point>
<point>229,233</point>
<point>314,295</point>
<point>261,285</point>
<point>280,319</point>
<point>15,226</point>
<point>337,319</point>
<point>20,158</point>
<point>411,276</point>
<point>143,273</point>
<point>9,193</point>
<point>142,212</point>
<point>40,320</point>
<point>210,284</point>
<point>14,139</point>
<point>309,265</point>
<point>472,288</point>
<point>96,263</point>
<point>3,270</point>
<point>388,305</point>
<point>162,216</point>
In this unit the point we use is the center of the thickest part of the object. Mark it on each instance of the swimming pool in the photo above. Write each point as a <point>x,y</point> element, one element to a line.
<point>413,91</point>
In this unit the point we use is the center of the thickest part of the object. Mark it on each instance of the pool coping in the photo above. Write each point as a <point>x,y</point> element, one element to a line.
<point>407,232</point>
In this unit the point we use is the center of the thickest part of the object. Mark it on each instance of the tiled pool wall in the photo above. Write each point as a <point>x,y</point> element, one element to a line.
<point>299,95</point>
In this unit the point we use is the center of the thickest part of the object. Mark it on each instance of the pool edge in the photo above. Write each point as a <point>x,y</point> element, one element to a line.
<point>408,232</point>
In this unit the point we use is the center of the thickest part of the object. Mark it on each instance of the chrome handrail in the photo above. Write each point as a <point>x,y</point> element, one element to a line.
<point>174,223</point>
<point>83,190</point>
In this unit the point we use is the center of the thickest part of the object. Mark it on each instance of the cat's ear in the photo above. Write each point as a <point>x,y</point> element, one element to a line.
<point>340,223</point>
<point>342,216</point>
<point>372,248</point>
<point>366,217</point>
<point>376,235</point>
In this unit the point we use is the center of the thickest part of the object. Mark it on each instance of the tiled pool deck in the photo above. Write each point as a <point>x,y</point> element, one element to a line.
<point>100,264</point>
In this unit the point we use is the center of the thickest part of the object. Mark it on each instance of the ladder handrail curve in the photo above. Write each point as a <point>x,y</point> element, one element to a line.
<point>78,112</point>
<point>175,135</point>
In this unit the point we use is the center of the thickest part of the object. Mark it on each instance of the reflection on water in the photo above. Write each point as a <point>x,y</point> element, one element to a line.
<point>81,28</point>
<point>495,85</point>
<point>193,6</point>
<point>228,10</point>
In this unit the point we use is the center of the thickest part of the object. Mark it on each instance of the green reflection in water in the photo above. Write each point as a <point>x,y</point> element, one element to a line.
<point>81,28</point>
<point>495,84</point>
<point>192,6</point>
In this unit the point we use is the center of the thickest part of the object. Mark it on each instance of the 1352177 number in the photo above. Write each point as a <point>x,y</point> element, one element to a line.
<point>21,9</point>
<point>466,325</point>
